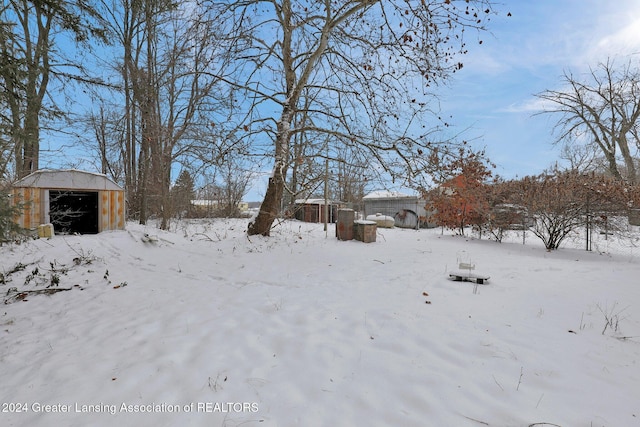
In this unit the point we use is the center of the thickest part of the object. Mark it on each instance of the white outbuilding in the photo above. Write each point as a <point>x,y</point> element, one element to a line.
<point>407,211</point>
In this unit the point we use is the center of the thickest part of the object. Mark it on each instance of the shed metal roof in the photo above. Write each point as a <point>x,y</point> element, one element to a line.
<point>314,202</point>
<point>67,179</point>
<point>386,195</point>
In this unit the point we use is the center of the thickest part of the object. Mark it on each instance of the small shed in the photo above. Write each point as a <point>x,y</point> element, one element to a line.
<point>407,211</point>
<point>73,201</point>
<point>312,210</point>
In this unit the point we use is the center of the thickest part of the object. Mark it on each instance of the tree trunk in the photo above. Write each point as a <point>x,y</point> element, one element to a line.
<point>629,161</point>
<point>30,143</point>
<point>34,88</point>
<point>143,182</point>
<point>613,165</point>
<point>166,207</point>
<point>270,207</point>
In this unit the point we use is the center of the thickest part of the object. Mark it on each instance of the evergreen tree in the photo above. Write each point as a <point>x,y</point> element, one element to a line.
<point>182,193</point>
<point>8,212</point>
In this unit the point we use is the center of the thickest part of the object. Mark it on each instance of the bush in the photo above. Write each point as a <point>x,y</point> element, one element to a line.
<point>562,202</point>
<point>8,211</point>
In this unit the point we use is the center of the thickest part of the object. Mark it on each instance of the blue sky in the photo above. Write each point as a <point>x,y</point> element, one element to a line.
<point>526,54</point>
<point>492,97</point>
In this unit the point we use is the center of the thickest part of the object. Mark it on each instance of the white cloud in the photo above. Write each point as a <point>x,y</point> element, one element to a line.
<point>623,41</point>
<point>561,35</point>
<point>531,105</point>
<point>615,34</point>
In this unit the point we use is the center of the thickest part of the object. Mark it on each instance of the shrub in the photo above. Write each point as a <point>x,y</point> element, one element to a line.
<point>8,211</point>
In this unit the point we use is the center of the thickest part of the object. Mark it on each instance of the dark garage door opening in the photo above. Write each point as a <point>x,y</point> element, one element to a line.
<point>74,211</point>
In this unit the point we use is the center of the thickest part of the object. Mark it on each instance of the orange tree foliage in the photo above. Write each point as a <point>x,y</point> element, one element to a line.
<point>460,199</point>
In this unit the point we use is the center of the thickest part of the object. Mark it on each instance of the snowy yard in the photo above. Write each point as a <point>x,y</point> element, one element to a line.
<point>202,326</point>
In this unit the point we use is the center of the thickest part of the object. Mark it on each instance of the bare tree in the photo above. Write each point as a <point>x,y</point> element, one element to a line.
<point>184,87</point>
<point>584,157</point>
<point>602,113</point>
<point>125,18</point>
<point>306,151</point>
<point>563,203</point>
<point>8,63</point>
<point>105,126</point>
<point>351,175</point>
<point>233,186</point>
<point>224,188</point>
<point>169,74</point>
<point>365,65</point>
<point>30,61</point>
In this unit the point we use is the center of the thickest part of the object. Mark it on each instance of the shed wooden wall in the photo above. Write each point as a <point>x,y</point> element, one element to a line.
<point>111,205</point>
<point>31,198</point>
<point>111,210</point>
<point>311,212</point>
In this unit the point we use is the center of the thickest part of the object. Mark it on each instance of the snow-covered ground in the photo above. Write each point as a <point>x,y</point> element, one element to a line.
<point>202,326</point>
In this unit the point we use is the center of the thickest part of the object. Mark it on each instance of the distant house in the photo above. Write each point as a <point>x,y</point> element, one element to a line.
<point>73,201</point>
<point>408,211</point>
<point>210,208</point>
<point>313,210</point>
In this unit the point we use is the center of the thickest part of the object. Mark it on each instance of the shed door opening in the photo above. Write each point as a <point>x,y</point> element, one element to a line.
<point>74,211</point>
<point>406,219</point>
